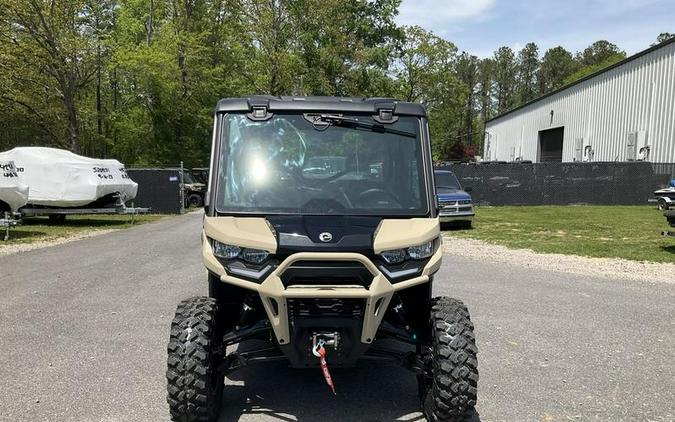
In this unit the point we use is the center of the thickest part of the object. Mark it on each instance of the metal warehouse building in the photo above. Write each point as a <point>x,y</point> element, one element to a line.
<point>622,113</point>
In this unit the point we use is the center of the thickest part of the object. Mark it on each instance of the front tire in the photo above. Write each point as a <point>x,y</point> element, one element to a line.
<point>194,385</point>
<point>452,382</point>
<point>663,205</point>
<point>195,200</point>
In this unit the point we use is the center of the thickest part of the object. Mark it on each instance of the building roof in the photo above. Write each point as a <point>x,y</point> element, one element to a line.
<point>587,77</point>
<point>321,104</point>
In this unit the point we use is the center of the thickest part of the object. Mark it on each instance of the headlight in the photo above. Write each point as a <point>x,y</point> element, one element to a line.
<point>254,256</point>
<point>225,251</point>
<point>421,251</point>
<point>396,256</point>
<point>222,250</point>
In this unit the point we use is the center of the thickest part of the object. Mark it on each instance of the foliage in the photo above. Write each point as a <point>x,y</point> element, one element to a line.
<point>592,68</point>
<point>556,66</point>
<point>663,37</point>
<point>137,79</point>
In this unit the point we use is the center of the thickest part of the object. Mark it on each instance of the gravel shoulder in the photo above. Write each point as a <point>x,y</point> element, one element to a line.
<point>39,244</point>
<point>607,268</point>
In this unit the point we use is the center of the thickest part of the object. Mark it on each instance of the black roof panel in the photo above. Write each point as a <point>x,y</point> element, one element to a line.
<point>321,104</point>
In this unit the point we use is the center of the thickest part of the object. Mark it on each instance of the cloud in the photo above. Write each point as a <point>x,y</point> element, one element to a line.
<point>439,15</point>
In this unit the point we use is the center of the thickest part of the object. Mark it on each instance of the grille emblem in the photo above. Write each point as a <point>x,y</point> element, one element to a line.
<point>325,237</point>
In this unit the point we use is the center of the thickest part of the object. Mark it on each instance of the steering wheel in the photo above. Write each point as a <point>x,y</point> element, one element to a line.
<point>372,197</point>
<point>323,206</point>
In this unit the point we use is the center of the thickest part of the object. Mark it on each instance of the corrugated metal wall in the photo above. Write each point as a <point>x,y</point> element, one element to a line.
<point>637,97</point>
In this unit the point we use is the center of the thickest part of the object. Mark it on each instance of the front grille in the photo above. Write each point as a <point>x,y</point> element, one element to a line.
<point>327,273</point>
<point>308,308</point>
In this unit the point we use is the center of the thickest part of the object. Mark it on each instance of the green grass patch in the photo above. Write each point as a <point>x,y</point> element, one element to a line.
<point>630,232</point>
<point>40,228</point>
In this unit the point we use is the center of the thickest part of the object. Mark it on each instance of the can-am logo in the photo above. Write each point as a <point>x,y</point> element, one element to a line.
<point>325,237</point>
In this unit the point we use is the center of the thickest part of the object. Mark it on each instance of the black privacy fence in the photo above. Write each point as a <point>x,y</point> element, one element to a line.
<point>161,190</point>
<point>611,183</point>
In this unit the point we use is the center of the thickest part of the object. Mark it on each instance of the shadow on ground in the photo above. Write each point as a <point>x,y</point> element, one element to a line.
<point>670,249</point>
<point>274,392</point>
<point>76,221</point>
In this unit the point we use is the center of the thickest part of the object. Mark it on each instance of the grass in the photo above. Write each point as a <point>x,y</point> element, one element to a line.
<point>40,229</point>
<point>630,232</point>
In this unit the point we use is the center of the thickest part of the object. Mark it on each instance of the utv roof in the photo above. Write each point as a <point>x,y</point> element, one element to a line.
<point>322,104</point>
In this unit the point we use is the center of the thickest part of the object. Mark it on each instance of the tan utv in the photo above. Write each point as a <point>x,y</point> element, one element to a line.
<point>321,239</point>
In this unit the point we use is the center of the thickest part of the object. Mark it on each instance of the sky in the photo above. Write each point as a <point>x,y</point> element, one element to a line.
<point>481,26</point>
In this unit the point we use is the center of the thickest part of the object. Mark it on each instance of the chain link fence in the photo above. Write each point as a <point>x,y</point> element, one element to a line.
<point>613,183</point>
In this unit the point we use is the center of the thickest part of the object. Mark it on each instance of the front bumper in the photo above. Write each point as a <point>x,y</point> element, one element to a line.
<point>274,295</point>
<point>451,211</point>
<point>460,216</point>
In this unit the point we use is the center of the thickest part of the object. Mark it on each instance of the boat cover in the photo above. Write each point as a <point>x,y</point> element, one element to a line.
<point>13,191</point>
<point>59,178</point>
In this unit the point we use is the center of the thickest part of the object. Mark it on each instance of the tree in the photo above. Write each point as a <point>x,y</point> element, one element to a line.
<point>485,88</point>
<point>505,72</point>
<point>467,73</point>
<point>528,66</point>
<point>556,65</point>
<point>663,37</point>
<point>596,57</point>
<point>46,53</point>
<point>599,52</point>
<point>425,72</point>
<point>346,47</point>
<point>423,64</point>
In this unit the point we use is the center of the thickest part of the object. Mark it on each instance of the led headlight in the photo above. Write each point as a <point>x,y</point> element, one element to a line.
<point>254,256</point>
<point>225,251</point>
<point>395,256</point>
<point>421,251</point>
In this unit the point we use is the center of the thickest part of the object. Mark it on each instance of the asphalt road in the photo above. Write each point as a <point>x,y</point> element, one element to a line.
<point>83,331</point>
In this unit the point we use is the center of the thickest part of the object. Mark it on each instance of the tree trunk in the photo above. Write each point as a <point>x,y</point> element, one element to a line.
<point>73,124</point>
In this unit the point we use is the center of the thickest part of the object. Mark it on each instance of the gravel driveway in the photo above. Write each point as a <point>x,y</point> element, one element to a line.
<point>85,324</point>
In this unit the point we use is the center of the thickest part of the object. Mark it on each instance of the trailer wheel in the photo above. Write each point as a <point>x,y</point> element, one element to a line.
<point>194,384</point>
<point>451,387</point>
<point>663,205</point>
<point>57,218</point>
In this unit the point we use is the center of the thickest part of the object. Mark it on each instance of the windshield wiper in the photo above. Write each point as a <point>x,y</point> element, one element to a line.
<point>333,119</point>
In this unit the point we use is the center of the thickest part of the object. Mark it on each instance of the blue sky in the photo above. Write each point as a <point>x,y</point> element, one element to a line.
<point>481,26</point>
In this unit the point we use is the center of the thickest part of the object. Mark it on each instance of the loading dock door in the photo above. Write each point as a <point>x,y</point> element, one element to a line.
<point>551,145</point>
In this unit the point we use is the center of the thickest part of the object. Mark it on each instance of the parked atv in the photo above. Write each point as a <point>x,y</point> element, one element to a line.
<point>327,266</point>
<point>194,190</point>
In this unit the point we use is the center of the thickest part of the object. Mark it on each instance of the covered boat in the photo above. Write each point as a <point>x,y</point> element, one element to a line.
<point>59,178</point>
<point>13,192</point>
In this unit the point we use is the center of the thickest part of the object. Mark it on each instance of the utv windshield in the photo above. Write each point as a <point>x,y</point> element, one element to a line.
<point>289,165</point>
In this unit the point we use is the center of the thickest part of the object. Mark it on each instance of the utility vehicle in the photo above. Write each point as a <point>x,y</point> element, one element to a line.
<point>321,238</point>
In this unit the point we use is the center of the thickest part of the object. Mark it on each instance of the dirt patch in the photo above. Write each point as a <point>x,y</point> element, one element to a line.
<point>39,244</point>
<point>610,268</point>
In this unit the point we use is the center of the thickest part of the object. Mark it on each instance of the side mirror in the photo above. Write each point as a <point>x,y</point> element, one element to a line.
<point>468,189</point>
